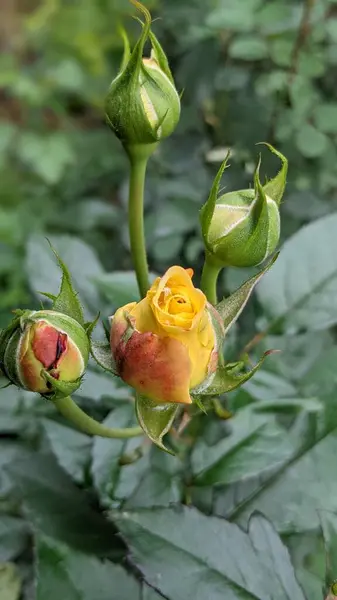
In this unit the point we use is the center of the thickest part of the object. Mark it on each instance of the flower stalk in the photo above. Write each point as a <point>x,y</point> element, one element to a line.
<point>138,166</point>
<point>209,279</point>
<point>69,409</point>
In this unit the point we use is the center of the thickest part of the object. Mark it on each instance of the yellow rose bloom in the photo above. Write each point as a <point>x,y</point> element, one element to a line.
<point>165,345</point>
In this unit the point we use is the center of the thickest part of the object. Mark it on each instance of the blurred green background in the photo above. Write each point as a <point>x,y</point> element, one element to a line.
<point>250,71</point>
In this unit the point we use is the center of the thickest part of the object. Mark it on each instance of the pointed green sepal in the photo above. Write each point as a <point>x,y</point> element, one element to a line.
<point>60,389</point>
<point>51,297</point>
<point>67,301</point>
<point>102,354</point>
<point>158,54</point>
<point>275,187</point>
<point>90,325</point>
<point>227,378</point>
<point>207,211</point>
<point>126,49</point>
<point>230,308</point>
<point>155,419</point>
<point>200,404</point>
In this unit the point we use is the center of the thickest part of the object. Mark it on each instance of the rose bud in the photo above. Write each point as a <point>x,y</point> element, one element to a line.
<point>42,351</point>
<point>242,228</point>
<point>143,106</point>
<point>165,345</point>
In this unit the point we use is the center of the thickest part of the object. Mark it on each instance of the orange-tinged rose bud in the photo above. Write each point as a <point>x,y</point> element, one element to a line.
<point>165,345</point>
<point>44,346</point>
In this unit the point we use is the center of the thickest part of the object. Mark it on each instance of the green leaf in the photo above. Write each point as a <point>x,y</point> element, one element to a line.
<point>71,448</point>
<point>155,419</point>
<point>329,527</point>
<point>10,583</point>
<point>232,17</point>
<point>231,307</point>
<point>248,47</point>
<point>322,377</point>
<point>325,116</point>
<point>14,536</point>
<point>119,287</point>
<point>67,301</point>
<point>160,484</point>
<point>274,555</point>
<point>292,497</point>
<point>300,291</point>
<point>71,575</point>
<point>217,558</point>
<point>48,156</point>
<point>107,472</point>
<point>101,352</point>
<point>310,141</point>
<point>57,508</point>
<point>331,28</point>
<point>249,450</point>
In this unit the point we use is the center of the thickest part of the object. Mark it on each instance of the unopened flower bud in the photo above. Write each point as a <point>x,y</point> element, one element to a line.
<point>45,352</point>
<point>242,228</point>
<point>166,344</point>
<point>142,106</point>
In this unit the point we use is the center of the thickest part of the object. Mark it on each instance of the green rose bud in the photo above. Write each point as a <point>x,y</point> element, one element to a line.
<point>44,351</point>
<point>143,106</point>
<point>242,228</point>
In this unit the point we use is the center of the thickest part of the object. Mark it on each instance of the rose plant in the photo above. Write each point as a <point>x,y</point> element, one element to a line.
<point>168,346</point>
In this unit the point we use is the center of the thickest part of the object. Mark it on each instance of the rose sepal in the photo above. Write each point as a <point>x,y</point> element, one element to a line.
<point>156,419</point>
<point>227,378</point>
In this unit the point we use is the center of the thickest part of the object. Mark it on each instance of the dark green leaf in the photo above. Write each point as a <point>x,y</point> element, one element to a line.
<point>300,290</point>
<point>112,481</point>
<point>218,559</point>
<point>65,573</point>
<point>249,450</point>
<point>329,526</point>
<point>160,484</point>
<point>56,507</point>
<point>293,507</point>
<point>71,448</point>
<point>14,534</point>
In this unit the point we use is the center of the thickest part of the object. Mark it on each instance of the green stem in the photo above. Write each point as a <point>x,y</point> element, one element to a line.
<point>138,164</point>
<point>69,409</point>
<point>209,278</point>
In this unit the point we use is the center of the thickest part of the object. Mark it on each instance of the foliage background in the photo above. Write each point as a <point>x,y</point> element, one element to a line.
<point>251,70</point>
